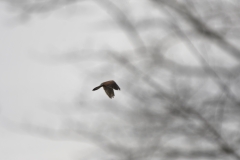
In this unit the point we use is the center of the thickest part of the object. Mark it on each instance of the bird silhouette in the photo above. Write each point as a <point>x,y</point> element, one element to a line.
<point>108,86</point>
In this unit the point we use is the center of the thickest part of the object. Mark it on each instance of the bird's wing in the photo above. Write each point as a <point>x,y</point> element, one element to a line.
<point>114,86</point>
<point>109,91</point>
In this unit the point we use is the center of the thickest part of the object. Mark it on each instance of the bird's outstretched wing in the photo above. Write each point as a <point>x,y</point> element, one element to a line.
<point>114,86</point>
<point>111,84</point>
<point>109,91</point>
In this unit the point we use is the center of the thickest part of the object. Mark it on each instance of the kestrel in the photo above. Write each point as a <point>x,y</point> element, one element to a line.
<point>108,86</point>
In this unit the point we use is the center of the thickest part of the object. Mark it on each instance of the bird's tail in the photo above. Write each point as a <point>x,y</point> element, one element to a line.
<point>96,88</point>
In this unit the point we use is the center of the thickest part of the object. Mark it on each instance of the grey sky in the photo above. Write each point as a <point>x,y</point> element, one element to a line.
<point>33,82</point>
<point>177,70</point>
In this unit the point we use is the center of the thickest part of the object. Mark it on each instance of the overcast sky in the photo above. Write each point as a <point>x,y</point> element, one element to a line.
<point>51,60</point>
<point>33,80</point>
<point>38,80</point>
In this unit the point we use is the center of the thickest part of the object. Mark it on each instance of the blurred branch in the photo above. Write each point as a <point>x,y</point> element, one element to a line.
<point>202,28</point>
<point>223,145</point>
<point>124,22</point>
<point>206,65</point>
<point>30,7</point>
<point>152,110</point>
<point>173,153</point>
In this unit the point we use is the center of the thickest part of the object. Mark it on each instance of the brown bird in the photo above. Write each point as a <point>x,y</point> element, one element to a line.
<point>108,86</point>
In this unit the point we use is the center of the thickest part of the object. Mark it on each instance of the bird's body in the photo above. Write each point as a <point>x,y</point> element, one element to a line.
<point>108,86</point>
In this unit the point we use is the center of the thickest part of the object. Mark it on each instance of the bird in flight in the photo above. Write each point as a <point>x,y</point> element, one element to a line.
<point>108,86</point>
